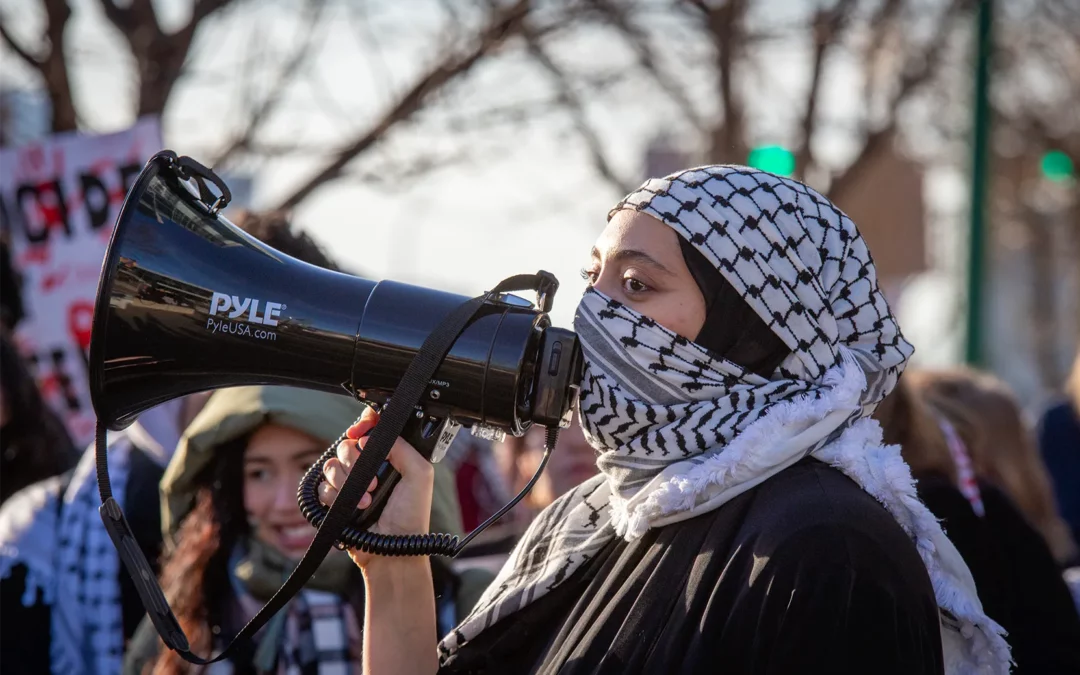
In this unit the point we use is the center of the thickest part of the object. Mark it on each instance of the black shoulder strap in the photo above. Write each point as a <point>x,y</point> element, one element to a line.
<point>391,423</point>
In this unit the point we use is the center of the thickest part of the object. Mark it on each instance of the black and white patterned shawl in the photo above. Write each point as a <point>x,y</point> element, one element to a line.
<point>680,433</point>
<point>316,633</point>
<point>54,530</point>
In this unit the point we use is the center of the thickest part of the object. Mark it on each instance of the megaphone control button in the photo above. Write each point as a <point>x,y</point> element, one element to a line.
<point>556,358</point>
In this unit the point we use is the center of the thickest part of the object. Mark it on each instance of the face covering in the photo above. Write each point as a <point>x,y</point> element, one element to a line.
<point>681,429</point>
<point>732,330</point>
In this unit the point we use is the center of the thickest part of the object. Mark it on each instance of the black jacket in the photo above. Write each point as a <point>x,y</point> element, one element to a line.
<point>806,573</point>
<point>1019,583</point>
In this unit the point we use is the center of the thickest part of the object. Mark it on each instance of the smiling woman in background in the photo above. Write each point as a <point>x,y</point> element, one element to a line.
<point>234,532</point>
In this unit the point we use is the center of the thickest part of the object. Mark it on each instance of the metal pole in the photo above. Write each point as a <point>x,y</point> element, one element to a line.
<point>979,178</point>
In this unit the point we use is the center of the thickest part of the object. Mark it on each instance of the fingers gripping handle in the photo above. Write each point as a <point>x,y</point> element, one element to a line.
<point>430,437</point>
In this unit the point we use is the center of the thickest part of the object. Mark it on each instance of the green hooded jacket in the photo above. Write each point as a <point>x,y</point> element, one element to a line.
<point>232,413</point>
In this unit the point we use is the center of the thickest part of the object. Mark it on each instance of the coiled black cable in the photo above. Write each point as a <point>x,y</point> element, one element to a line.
<point>307,496</point>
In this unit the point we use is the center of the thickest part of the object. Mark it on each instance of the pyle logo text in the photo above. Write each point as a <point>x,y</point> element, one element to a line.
<point>221,302</point>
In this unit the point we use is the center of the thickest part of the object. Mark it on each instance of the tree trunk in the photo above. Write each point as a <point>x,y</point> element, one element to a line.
<point>728,142</point>
<point>54,67</point>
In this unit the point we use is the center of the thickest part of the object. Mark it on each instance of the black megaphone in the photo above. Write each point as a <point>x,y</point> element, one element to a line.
<point>187,302</point>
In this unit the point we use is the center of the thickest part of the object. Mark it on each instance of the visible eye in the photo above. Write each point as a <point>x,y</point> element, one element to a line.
<point>588,275</point>
<point>632,285</point>
<point>257,474</point>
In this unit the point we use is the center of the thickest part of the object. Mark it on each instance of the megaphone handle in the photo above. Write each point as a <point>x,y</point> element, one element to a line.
<point>388,478</point>
<point>422,433</point>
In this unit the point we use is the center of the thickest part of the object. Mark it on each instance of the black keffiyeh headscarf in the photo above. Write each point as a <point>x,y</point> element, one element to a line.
<point>681,429</point>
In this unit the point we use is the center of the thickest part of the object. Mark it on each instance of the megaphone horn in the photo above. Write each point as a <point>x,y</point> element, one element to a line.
<point>188,302</point>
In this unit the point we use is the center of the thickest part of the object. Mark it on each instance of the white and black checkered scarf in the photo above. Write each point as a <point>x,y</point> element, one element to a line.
<point>317,633</point>
<point>680,431</point>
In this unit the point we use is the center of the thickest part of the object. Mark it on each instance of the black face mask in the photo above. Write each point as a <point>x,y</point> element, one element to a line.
<point>732,329</point>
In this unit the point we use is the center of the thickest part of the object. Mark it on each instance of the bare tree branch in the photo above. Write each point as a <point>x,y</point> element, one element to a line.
<point>502,25</point>
<point>54,67</point>
<point>919,68</point>
<point>396,177</point>
<point>160,58</point>
<point>699,5</point>
<point>725,27</point>
<point>570,100</point>
<point>273,98</point>
<point>33,61</point>
<point>827,26</point>
<point>51,63</point>
<point>647,61</point>
<point>119,17</point>
<point>203,9</point>
<point>877,44</point>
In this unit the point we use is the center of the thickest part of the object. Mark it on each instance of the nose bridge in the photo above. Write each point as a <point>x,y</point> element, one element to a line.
<point>607,282</point>
<point>285,492</point>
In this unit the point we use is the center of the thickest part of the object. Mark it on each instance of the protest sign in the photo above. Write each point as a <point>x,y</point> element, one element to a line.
<point>59,200</point>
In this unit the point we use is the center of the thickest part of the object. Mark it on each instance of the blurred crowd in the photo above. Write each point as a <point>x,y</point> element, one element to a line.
<point>209,483</point>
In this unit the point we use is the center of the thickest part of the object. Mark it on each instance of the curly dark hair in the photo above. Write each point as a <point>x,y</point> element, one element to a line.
<point>11,303</point>
<point>196,569</point>
<point>36,445</point>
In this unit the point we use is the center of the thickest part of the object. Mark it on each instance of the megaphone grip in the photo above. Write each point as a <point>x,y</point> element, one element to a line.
<point>354,536</point>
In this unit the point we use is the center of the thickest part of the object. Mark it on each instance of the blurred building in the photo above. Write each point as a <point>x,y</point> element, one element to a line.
<point>1031,304</point>
<point>25,116</point>
<point>662,157</point>
<point>887,204</point>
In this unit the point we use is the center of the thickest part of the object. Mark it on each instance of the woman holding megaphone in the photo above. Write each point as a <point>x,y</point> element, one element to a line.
<point>747,517</point>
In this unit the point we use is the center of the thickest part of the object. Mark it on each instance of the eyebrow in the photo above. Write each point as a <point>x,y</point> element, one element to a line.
<point>631,255</point>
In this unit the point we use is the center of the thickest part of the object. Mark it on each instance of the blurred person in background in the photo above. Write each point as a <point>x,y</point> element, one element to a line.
<point>1059,443</point>
<point>482,490</point>
<point>234,533</point>
<point>53,544</point>
<point>34,442</point>
<point>490,475</point>
<point>68,605</point>
<point>1001,444</point>
<point>11,303</point>
<point>1019,582</point>
<point>572,462</point>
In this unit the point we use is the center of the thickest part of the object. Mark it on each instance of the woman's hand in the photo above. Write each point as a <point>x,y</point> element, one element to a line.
<point>408,510</point>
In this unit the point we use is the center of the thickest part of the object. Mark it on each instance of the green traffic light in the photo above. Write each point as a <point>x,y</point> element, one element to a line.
<point>1057,166</point>
<point>772,158</point>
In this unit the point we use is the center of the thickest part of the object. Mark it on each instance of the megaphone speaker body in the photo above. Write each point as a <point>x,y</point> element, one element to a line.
<point>189,302</point>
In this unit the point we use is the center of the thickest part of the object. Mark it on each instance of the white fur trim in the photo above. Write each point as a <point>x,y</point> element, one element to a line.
<point>773,443</point>
<point>763,449</point>
<point>881,471</point>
